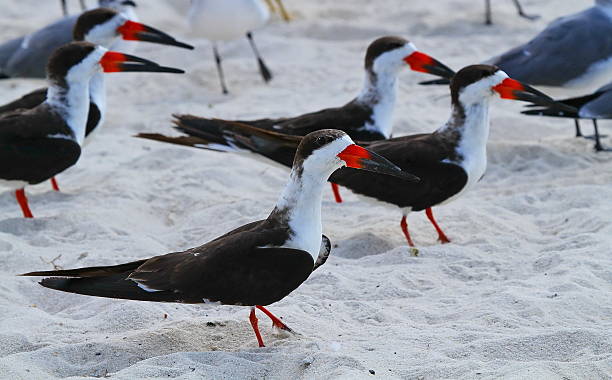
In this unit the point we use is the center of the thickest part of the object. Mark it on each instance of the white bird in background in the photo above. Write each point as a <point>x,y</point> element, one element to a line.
<point>225,20</point>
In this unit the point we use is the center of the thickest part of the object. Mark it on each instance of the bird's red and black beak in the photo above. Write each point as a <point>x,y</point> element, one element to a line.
<point>512,89</point>
<point>358,157</point>
<point>425,64</point>
<point>135,31</point>
<point>113,62</point>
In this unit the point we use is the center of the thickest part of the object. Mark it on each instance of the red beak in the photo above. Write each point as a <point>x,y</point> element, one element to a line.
<point>509,88</point>
<point>113,62</point>
<point>360,158</point>
<point>512,89</point>
<point>425,64</point>
<point>353,154</point>
<point>135,31</point>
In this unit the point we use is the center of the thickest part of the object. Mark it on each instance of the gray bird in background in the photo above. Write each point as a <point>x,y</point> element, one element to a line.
<point>27,56</point>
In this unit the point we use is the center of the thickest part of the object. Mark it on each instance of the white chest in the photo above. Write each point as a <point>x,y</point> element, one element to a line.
<point>472,146</point>
<point>221,20</point>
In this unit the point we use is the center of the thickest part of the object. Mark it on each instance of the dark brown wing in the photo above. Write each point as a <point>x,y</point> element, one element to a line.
<point>28,101</point>
<point>424,155</point>
<point>350,118</point>
<point>26,151</point>
<point>249,276</point>
<point>234,269</point>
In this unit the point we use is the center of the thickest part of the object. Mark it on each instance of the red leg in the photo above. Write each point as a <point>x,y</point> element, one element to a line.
<point>54,184</point>
<point>336,191</point>
<point>404,226</point>
<point>253,319</point>
<point>276,322</point>
<point>441,236</point>
<point>23,202</point>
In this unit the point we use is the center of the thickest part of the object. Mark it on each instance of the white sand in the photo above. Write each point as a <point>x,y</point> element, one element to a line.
<point>523,292</point>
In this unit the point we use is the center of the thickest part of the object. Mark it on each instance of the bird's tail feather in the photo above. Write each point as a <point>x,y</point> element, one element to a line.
<point>101,271</point>
<point>114,286</point>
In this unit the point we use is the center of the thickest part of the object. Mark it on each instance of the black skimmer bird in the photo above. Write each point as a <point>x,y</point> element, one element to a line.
<point>572,52</point>
<point>595,106</point>
<point>26,56</point>
<point>519,9</point>
<point>254,265</point>
<point>225,20</point>
<point>38,143</point>
<point>449,161</point>
<point>367,117</point>
<point>100,26</point>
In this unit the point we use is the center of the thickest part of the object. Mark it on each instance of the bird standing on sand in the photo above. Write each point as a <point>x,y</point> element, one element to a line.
<point>367,117</point>
<point>254,265</point>
<point>225,20</point>
<point>103,27</point>
<point>39,143</point>
<point>27,56</point>
<point>449,161</point>
<point>572,52</point>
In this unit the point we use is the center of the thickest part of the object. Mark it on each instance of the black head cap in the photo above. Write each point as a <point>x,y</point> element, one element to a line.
<point>106,3</point>
<point>469,75</point>
<point>65,57</point>
<point>316,140</point>
<point>381,46</point>
<point>89,20</point>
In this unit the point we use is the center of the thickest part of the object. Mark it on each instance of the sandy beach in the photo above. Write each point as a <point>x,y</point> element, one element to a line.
<point>524,291</point>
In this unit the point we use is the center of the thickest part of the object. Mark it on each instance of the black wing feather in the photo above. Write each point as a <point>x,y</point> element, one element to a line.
<point>28,101</point>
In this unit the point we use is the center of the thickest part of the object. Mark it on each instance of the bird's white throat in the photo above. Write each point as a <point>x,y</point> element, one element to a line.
<point>379,92</point>
<point>72,103</point>
<point>301,201</point>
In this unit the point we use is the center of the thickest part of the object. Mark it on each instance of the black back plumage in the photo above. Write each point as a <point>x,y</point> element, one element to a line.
<point>26,151</point>
<point>231,269</point>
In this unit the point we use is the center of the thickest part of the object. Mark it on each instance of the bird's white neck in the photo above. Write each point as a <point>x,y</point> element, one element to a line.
<point>72,103</point>
<point>470,123</point>
<point>300,205</point>
<point>97,93</point>
<point>379,93</point>
<point>469,126</point>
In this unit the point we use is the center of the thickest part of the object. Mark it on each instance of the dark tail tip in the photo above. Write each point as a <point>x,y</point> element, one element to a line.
<point>56,283</point>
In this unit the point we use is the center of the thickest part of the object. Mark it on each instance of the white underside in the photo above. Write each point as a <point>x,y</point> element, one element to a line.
<point>473,147</point>
<point>97,94</point>
<point>146,288</point>
<point>13,184</point>
<point>222,20</point>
